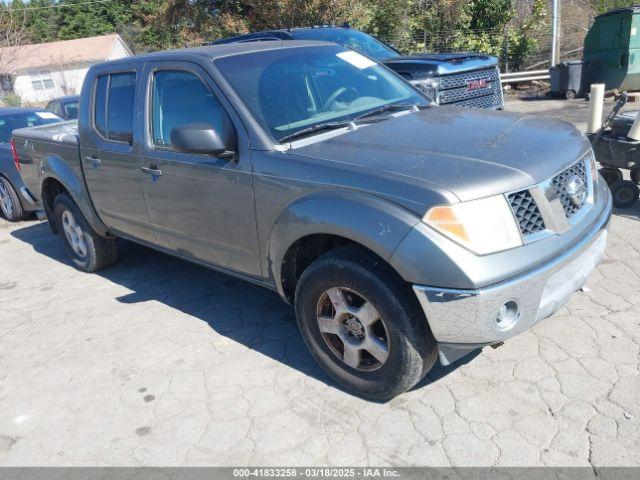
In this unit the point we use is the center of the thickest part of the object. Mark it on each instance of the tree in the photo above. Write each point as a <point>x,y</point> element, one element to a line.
<point>78,19</point>
<point>13,33</point>
<point>41,21</point>
<point>603,6</point>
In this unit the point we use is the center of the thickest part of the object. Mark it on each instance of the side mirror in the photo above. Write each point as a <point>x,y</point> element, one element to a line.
<point>199,138</point>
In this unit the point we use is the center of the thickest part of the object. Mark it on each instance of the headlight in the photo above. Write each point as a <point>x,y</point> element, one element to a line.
<point>429,87</point>
<point>483,226</point>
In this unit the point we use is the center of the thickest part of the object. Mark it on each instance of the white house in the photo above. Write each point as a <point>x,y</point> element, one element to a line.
<point>40,72</point>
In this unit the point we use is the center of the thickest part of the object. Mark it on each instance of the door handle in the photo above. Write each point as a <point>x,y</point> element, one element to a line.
<point>151,170</point>
<point>95,161</point>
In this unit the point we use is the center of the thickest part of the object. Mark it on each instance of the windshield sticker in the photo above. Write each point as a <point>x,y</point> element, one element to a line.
<point>354,58</point>
<point>323,72</point>
<point>47,115</point>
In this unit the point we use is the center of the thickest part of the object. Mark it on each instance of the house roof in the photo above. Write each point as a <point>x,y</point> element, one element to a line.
<point>40,55</point>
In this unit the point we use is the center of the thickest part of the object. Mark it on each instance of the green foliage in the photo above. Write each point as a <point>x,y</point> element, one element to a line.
<point>412,25</point>
<point>41,25</point>
<point>12,100</point>
<point>490,14</point>
<point>90,19</point>
<point>603,6</point>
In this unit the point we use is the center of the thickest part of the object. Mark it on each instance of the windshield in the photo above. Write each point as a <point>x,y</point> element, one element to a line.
<point>13,121</point>
<point>355,39</point>
<point>291,89</point>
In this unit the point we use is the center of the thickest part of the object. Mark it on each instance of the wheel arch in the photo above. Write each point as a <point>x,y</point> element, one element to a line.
<point>59,177</point>
<point>317,223</point>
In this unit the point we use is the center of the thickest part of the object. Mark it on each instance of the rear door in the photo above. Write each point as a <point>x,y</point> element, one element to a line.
<point>109,162</point>
<point>200,205</point>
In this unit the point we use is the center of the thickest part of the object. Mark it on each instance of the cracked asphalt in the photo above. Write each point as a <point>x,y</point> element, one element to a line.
<point>158,362</point>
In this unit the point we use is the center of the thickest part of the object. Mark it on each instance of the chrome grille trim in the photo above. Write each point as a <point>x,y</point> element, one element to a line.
<point>452,89</point>
<point>560,181</point>
<point>552,203</point>
<point>458,80</point>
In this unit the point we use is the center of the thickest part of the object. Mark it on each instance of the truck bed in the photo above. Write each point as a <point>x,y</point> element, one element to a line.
<point>38,146</point>
<point>64,133</point>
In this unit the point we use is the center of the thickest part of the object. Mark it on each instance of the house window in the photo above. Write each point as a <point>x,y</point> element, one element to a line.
<point>6,84</point>
<point>41,80</point>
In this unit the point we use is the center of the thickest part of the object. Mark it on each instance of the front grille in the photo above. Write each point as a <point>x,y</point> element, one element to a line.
<point>561,184</point>
<point>527,213</point>
<point>453,89</point>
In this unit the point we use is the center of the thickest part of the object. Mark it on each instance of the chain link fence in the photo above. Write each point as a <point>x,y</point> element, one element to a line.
<point>515,49</point>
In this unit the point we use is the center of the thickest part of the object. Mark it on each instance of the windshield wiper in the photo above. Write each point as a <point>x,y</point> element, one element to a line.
<point>313,129</point>
<point>390,107</point>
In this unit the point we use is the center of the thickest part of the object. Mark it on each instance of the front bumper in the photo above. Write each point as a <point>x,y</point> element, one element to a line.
<point>463,320</point>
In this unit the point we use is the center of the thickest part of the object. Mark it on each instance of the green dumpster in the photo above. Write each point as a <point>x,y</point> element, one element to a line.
<point>612,50</point>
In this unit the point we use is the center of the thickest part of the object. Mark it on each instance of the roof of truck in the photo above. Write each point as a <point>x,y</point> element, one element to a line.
<point>224,50</point>
<point>275,34</point>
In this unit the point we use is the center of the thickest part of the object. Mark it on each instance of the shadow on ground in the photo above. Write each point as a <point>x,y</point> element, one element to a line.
<point>633,212</point>
<point>243,312</point>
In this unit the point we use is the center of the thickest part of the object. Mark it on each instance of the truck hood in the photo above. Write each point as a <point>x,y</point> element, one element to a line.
<point>439,64</point>
<point>468,153</point>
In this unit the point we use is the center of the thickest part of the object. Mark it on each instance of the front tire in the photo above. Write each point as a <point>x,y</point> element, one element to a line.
<point>363,325</point>
<point>9,202</point>
<point>88,251</point>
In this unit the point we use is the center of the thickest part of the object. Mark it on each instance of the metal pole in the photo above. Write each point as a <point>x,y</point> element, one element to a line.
<point>555,32</point>
<point>506,52</point>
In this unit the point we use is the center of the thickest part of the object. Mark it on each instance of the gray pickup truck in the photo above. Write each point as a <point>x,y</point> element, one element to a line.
<point>402,232</point>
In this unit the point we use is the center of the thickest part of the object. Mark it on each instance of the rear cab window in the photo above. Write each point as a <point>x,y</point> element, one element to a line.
<point>113,108</point>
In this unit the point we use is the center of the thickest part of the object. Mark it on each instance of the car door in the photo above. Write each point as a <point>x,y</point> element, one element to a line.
<point>200,205</point>
<point>109,161</point>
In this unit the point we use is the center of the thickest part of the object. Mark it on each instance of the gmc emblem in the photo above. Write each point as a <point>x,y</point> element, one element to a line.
<point>479,84</point>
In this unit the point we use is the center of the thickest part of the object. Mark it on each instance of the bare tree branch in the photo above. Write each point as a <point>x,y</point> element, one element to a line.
<point>13,34</point>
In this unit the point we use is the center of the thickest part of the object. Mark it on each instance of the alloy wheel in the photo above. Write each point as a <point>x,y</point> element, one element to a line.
<point>73,233</point>
<point>6,204</point>
<point>353,329</point>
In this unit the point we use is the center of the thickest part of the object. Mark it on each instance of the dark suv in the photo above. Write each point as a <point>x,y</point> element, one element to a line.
<point>462,79</point>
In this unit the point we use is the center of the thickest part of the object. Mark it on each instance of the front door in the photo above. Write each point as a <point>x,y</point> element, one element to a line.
<point>109,162</point>
<point>200,205</point>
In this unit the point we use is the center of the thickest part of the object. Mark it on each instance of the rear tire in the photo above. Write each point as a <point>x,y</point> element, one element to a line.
<point>88,251</point>
<point>9,202</point>
<point>379,317</point>
<point>570,94</point>
<point>625,193</point>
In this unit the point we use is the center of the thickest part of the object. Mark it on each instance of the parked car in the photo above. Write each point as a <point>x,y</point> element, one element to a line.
<point>65,107</point>
<point>15,200</point>
<point>400,232</point>
<point>462,79</point>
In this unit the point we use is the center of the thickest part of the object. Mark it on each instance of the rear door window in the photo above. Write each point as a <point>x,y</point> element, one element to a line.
<point>114,105</point>
<point>100,106</point>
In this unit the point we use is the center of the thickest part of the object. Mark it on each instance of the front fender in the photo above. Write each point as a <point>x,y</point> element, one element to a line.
<point>57,168</point>
<point>377,224</point>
